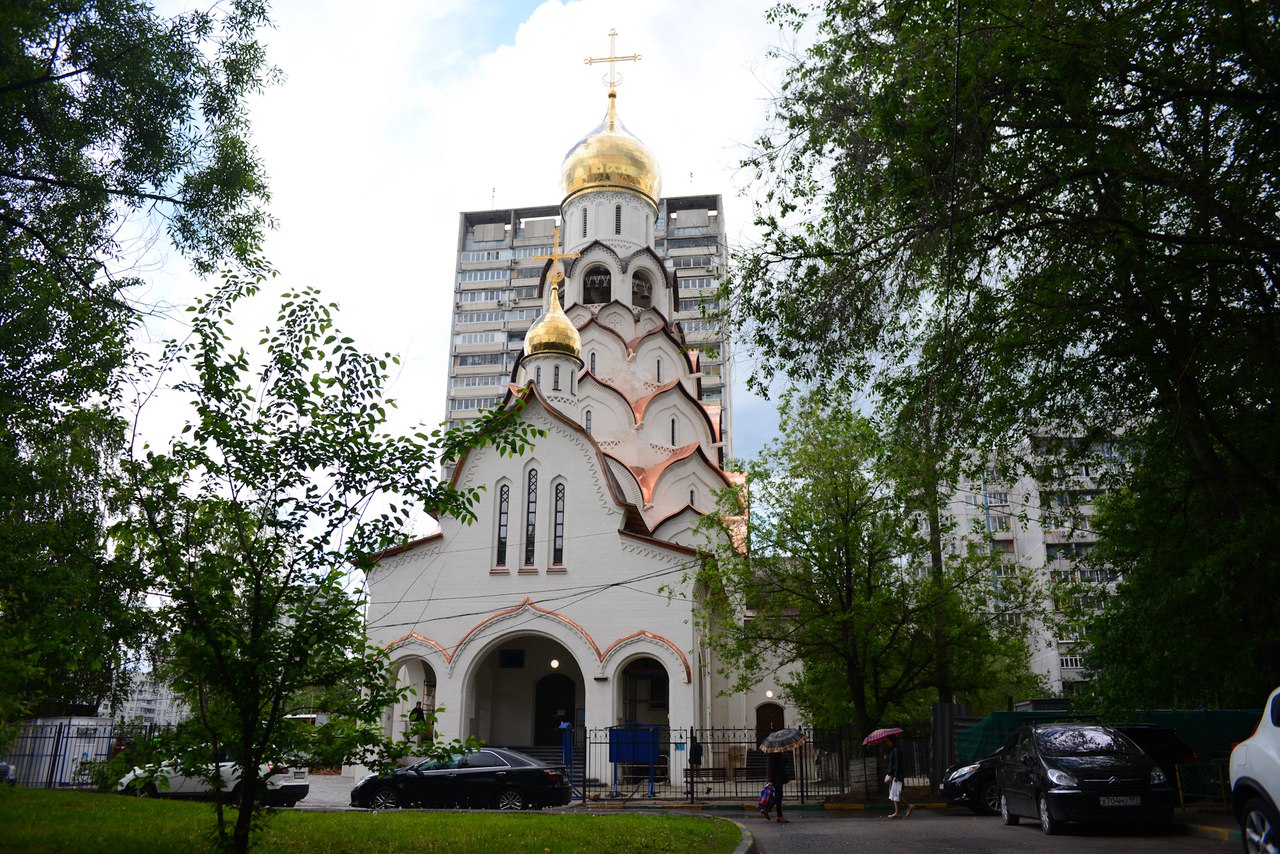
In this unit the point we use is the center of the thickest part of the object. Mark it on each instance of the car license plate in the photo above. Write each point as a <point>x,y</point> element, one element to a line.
<point>298,775</point>
<point>1120,801</point>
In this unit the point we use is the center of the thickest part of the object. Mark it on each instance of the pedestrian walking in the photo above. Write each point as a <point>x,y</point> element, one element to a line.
<point>779,771</point>
<point>894,779</point>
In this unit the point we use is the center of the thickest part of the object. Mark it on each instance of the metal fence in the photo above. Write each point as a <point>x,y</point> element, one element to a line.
<point>655,762</point>
<point>62,754</point>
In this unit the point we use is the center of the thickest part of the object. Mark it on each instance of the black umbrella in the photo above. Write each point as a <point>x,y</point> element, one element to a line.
<point>782,740</point>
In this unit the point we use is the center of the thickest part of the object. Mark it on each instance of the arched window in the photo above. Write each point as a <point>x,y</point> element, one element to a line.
<point>584,222</point>
<point>593,361</point>
<point>537,375</point>
<point>659,370</point>
<point>555,378</point>
<point>597,285</point>
<point>504,509</point>
<point>673,432</point>
<point>557,544</point>
<point>641,290</point>
<point>617,219</point>
<point>587,421</point>
<point>530,516</point>
<point>691,497</point>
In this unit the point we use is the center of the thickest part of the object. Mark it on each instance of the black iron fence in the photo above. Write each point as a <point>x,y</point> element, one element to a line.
<point>64,754</point>
<point>659,762</point>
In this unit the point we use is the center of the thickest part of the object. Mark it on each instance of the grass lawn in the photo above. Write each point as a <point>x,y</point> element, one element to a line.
<point>43,821</point>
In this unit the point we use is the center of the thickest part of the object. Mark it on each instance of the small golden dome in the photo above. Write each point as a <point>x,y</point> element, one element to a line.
<point>554,332</point>
<point>611,158</point>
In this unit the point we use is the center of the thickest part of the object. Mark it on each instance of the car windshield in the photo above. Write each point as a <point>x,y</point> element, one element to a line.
<point>1082,741</point>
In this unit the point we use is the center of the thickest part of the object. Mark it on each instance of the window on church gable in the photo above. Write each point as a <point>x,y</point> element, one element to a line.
<point>641,290</point>
<point>597,286</point>
<point>557,548</point>
<point>555,378</point>
<point>617,219</point>
<point>692,496</point>
<point>673,432</point>
<point>584,222</point>
<point>530,516</point>
<point>659,370</point>
<point>587,421</point>
<point>593,361</point>
<point>537,375</point>
<point>504,509</point>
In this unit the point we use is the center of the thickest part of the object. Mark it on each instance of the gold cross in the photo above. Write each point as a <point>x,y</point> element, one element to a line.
<point>556,276</point>
<point>613,79</point>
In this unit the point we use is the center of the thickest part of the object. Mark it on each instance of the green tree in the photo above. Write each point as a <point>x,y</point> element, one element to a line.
<point>831,567</point>
<point>1085,194</point>
<point>255,526</point>
<point>117,126</point>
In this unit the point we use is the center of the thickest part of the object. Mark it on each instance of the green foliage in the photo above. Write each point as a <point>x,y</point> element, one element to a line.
<point>116,126</point>
<point>254,526</point>
<point>831,566</point>
<point>1060,215</point>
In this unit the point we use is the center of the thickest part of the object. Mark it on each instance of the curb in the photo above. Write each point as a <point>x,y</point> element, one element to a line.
<point>1204,831</point>
<point>746,845</point>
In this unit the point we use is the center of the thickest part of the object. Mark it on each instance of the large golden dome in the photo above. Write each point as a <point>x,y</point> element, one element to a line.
<point>611,158</point>
<point>554,332</point>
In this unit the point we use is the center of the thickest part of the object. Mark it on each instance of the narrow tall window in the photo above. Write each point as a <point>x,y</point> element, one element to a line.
<point>555,378</point>
<point>617,219</point>
<point>537,375</point>
<point>504,509</point>
<point>691,497</point>
<point>659,370</point>
<point>673,432</point>
<point>557,547</point>
<point>530,516</point>
<point>584,222</point>
<point>587,422</point>
<point>593,361</point>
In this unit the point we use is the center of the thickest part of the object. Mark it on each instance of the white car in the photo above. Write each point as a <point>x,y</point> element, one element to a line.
<point>1255,782</point>
<point>285,785</point>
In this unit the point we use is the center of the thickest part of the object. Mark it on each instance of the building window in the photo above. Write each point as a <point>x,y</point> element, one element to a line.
<point>530,516</point>
<point>641,290</point>
<point>597,286</point>
<point>691,497</point>
<point>537,375</point>
<point>504,508</point>
<point>584,222</point>
<point>673,432</point>
<point>659,370</point>
<point>593,361</point>
<point>617,219</point>
<point>557,548</point>
<point>587,421</point>
<point>555,378</point>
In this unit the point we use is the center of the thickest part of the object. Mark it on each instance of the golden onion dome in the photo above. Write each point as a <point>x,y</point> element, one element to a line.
<point>554,332</point>
<point>611,158</point>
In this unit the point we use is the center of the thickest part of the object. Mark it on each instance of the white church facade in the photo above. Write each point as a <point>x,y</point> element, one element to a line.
<point>570,598</point>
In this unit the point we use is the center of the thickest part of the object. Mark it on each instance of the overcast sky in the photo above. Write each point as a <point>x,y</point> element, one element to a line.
<point>396,115</point>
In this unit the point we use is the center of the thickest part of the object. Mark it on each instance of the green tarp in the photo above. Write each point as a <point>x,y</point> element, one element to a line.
<point>1212,732</point>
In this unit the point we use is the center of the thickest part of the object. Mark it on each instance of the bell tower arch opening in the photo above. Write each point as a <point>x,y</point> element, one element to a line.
<point>521,689</point>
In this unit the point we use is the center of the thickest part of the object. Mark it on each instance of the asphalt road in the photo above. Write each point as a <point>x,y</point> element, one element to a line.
<point>948,830</point>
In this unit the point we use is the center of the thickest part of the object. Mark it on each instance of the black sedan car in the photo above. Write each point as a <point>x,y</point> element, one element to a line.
<point>492,777</point>
<point>1080,772</point>
<point>973,785</point>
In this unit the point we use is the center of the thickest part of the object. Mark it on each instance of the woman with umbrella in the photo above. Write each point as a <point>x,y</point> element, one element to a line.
<point>888,737</point>
<point>777,747</point>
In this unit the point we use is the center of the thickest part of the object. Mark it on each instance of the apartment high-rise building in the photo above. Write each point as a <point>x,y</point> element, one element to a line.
<point>498,295</point>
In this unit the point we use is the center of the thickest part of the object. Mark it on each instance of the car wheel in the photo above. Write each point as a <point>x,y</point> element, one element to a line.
<point>385,798</point>
<point>147,790</point>
<point>1048,823</point>
<point>510,799</point>
<point>1259,830</point>
<point>1008,818</point>
<point>988,800</point>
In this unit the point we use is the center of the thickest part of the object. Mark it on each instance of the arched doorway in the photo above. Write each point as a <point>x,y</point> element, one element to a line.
<point>646,692</point>
<point>419,677</point>
<point>769,718</point>
<point>553,704</point>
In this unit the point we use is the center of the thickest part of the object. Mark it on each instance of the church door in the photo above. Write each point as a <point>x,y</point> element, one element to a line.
<point>553,703</point>
<point>768,719</point>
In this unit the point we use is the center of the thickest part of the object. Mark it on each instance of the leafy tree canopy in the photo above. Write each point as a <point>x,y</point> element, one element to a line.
<point>1058,214</point>
<point>117,127</point>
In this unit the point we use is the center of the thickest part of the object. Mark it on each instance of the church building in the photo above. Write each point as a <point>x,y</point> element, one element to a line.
<point>570,598</point>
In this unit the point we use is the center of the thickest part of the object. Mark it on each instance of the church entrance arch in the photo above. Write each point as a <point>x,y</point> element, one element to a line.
<point>419,677</point>
<point>646,691</point>
<point>520,690</point>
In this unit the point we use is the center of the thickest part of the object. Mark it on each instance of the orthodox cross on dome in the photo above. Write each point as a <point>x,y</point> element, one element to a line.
<point>556,276</point>
<point>613,78</point>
